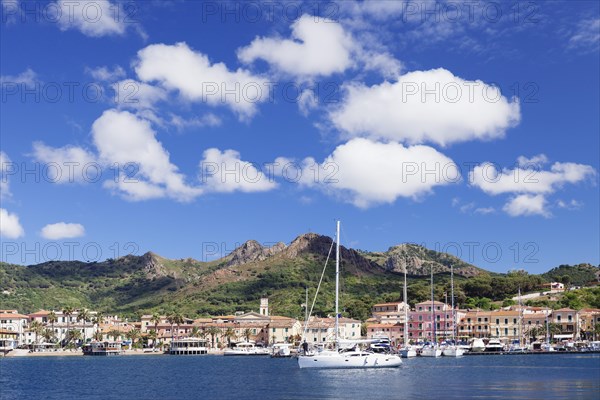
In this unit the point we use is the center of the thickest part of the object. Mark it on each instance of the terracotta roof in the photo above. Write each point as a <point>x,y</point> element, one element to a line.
<point>565,309</point>
<point>388,304</point>
<point>384,326</point>
<point>6,331</point>
<point>15,315</point>
<point>39,313</point>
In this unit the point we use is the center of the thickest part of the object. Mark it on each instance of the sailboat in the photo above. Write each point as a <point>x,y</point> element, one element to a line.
<point>432,350</point>
<point>406,351</point>
<point>341,357</point>
<point>453,350</point>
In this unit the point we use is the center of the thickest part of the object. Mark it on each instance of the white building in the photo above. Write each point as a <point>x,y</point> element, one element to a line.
<point>12,321</point>
<point>64,323</point>
<point>321,330</point>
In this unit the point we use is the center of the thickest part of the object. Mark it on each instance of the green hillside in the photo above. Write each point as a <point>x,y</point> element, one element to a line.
<point>133,285</point>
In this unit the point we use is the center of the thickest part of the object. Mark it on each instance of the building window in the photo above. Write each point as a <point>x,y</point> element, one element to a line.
<point>505,321</point>
<point>497,321</point>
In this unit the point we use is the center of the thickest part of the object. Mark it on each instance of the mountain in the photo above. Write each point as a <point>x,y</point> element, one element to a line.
<point>137,284</point>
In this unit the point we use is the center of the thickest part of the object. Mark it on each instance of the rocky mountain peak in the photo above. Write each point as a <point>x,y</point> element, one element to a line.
<point>252,251</point>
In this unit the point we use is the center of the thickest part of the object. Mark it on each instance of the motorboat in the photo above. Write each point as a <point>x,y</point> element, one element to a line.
<point>407,352</point>
<point>281,350</point>
<point>494,345</point>
<point>246,349</point>
<point>431,350</point>
<point>477,345</point>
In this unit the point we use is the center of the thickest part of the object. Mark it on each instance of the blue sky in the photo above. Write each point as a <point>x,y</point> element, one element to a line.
<point>191,127</point>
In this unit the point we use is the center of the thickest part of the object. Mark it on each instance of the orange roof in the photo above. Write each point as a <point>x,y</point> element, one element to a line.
<point>383,326</point>
<point>388,304</point>
<point>13,315</point>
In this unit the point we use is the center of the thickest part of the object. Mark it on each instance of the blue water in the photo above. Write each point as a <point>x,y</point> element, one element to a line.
<point>565,376</point>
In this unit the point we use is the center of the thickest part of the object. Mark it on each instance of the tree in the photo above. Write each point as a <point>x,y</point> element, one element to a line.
<point>73,335</point>
<point>67,312</point>
<point>115,333</point>
<point>52,318</point>
<point>152,335</point>
<point>213,331</point>
<point>175,319</point>
<point>247,334</point>
<point>596,331</point>
<point>98,335</point>
<point>229,333</point>
<point>37,328</point>
<point>133,335</point>
<point>84,316</point>
<point>48,334</point>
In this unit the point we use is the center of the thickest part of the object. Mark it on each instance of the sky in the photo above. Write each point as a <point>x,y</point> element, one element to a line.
<point>187,128</point>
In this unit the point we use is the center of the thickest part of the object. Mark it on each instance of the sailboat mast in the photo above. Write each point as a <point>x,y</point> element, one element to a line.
<point>337,284</point>
<point>433,310</point>
<point>452,300</point>
<point>520,319</point>
<point>405,311</point>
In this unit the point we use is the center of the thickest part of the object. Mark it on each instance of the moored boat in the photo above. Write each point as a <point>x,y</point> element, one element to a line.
<point>106,348</point>
<point>246,349</point>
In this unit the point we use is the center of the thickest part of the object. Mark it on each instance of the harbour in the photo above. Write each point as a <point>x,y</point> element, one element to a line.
<point>571,375</point>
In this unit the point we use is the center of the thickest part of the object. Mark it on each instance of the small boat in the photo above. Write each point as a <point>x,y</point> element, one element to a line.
<point>477,345</point>
<point>407,352</point>
<point>380,343</point>
<point>431,350</point>
<point>281,350</point>
<point>494,345</point>
<point>452,349</point>
<point>102,349</point>
<point>246,349</point>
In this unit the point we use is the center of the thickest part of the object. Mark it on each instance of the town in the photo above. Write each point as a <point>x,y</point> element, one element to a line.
<point>46,332</point>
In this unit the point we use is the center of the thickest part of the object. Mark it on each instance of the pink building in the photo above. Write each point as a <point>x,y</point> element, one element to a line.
<point>420,326</point>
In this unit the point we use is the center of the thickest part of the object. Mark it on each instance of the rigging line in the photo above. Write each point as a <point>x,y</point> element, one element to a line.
<point>317,292</point>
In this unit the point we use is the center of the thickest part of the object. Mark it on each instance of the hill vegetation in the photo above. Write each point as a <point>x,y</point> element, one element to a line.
<point>133,285</point>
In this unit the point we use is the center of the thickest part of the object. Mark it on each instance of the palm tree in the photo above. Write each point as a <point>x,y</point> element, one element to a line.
<point>98,335</point>
<point>152,335</point>
<point>115,333</point>
<point>133,335</point>
<point>72,335</point>
<point>37,328</point>
<point>175,319</point>
<point>67,312</point>
<point>52,318</point>
<point>195,332</point>
<point>229,333</point>
<point>48,334</point>
<point>213,331</point>
<point>156,320</point>
<point>596,331</point>
<point>84,316</point>
<point>247,334</point>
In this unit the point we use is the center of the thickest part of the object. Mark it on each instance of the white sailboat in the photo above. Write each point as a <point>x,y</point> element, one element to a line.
<point>406,351</point>
<point>342,358</point>
<point>432,350</point>
<point>453,350</point>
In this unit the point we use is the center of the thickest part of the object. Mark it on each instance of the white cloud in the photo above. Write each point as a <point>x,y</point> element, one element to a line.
<point>9,225</point>
<point>125,139</point>
<point>93,18</point>
<point>368,173</point>
<point>526,205</point>
<point>455,110</point>
<point>62,230</point>
<point>307,101</point>
<point>132,94</point>
<point>586,38</point>
<point>66,164</point>
<point>569,205</point>
<point>4,168</point>
<point>177,67</point>
<point>485,210</point>
<point>28,78</point>
<point>492,181</point>
<point>535,161</point>
<point>105,74</point>
<point>209,119</point>
<point>224,171</point>
<point>318,47</point>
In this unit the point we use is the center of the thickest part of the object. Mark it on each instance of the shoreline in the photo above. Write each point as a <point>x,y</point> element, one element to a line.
<point>70,353</point>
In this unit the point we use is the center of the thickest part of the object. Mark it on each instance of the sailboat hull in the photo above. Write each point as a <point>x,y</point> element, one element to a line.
<point>431,352</point>
<point>350,360</point>
<point>453,352</point>
<point>407,353</point>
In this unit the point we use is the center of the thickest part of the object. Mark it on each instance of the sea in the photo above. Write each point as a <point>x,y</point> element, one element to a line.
<point>561,376</point>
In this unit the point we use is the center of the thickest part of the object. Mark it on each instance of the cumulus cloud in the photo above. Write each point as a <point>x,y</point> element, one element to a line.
<point>179,68</point>
<point>224,171</point>
<point>66,164</point>
<point>366,173</point>
<point>131,94</point>
<point>535,161</point>
<point>526,205</point>
<point>4,168</point>
<point>10,227</point>
<point>317,47</point>
<point>62,230</point>
<point>123,138</point>
<point>426,106</point>
<point>106,74</point>
<point>93,18</point>
<point>529,185</point>
<point>493,181</point>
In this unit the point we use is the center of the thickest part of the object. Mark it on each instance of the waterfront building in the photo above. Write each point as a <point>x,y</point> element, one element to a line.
<point>390,313</point>
<point>321,330</point>
<point>12,321</point>
<point>421,327</point>
<point>568,321</point>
